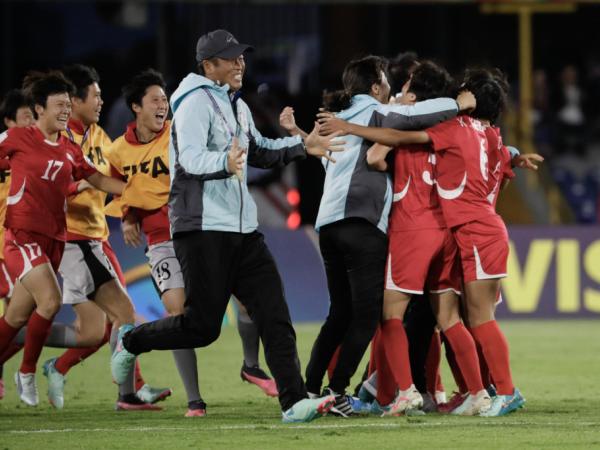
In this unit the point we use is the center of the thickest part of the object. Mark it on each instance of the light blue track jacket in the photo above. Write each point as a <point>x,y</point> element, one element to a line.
<point>351,188</point>
<point>204,196</point>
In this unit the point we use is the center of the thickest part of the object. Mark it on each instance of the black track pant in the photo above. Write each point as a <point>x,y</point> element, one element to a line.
<point>354,253</point>
<point>215,265</point>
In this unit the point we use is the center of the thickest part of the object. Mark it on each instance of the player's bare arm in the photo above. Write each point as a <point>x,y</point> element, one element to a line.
<point>376,157</point>
<point>109,185</point>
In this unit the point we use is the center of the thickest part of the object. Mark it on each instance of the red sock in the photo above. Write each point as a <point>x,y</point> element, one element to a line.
<point>10,351</point>
<point>74,356</point>
<point>38,329</point>
<point>386,385</point>
<point>333,363</point>
<point>139,379</point>
<point>495,349</point>
<point>461,385</point>
<point>395,344</point>
<point>486,377</point>
<point>375,347</point>
<point>432,364</point>
<point>465,352</point>
<point>7,334</point>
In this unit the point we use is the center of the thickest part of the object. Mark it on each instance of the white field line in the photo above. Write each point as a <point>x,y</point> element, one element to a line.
<point>292,427</point>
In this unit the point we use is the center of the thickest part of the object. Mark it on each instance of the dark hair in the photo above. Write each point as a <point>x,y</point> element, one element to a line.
<point>429,80</point>
<point>135,90</point>
<point>400,70</point>
<point>81,76</point>
<point>490,88</point>
<point>38,86</point>
<point>358,77</point>
<point>13,100</point>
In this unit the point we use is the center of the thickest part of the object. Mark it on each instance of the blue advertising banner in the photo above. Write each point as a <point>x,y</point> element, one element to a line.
<point>553,272</point>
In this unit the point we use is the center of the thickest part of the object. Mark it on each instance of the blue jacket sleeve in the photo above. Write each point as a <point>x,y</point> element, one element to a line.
<point>419,116</point>
<point>191,123</point>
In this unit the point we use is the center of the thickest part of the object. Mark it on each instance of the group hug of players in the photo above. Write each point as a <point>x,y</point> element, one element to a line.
<point>437,235</point>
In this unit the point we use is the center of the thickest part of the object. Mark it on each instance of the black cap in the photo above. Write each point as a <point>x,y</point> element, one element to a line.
<point>219,44</point>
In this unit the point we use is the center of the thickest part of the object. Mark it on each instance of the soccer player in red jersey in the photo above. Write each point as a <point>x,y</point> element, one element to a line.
<point>42,164</point>
<point>93,282</point>
<point>418,234</point>
<point>462,183</point>
<point>14,112</point>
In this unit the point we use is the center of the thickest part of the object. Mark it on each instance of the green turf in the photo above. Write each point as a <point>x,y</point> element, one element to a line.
<point>556,365</point>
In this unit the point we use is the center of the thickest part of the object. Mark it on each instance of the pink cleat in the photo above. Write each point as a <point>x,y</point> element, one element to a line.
<point>257,376</point>
<point>132,403</point>
<point>196,408</point>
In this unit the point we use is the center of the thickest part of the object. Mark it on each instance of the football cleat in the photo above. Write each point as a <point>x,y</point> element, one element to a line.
<point>474,404</point>
<point>454,402</point>
<point>153,395</point>
<point>27,389</point>
<point>308,409</point>
<point>504,404</point>
<point>342,406</point>
<point>196,408</point>
<point>131,402</point>
<point>410,399</point>
<point>56,384</point>
<point>258,377</point>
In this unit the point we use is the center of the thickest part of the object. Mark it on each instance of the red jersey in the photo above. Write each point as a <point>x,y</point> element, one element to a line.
<point>500,167</point>
<point>462,175</point>
<point>415,205</point>
<point>41,172</point>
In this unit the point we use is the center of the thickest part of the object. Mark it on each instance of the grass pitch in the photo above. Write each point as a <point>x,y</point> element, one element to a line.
<point>555,364</point>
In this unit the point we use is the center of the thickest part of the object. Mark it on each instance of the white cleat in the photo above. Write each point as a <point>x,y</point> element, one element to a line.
<point>474,404</point>
<point>27,389</point>
<point>408,400</point>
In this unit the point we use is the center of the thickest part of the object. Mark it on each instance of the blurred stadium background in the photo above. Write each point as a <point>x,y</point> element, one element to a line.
<point>548,49</point>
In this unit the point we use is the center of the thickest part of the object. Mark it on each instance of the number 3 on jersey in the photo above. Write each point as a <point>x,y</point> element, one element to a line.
<point>52,170</point>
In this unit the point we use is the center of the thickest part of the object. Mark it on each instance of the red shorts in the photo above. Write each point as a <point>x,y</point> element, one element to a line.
<point>24,250</point>
<point>6,284</point>
<point>483,246</point>
<point>112,257</point>
<point>422,259</point>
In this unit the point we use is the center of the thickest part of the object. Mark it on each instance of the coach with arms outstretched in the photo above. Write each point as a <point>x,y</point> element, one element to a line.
<point>213,222</point>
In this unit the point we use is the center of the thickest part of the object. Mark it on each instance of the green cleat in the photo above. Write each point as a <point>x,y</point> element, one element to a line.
<point>308,409</point>
<point>153,395</point>
<point>122,361</point>
<point>56,384</point>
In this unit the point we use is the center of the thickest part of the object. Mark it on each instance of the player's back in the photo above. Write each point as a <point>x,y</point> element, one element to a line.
<point>462,174</point>
<point>415,203</point>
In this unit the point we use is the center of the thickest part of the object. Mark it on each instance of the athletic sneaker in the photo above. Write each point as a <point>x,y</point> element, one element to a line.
<point>1,388</point>
<point>122,361</point>
<point>130,402</point>
<point>56,384</point>
<point>504,404</point>
<point>454,402</point>
<point>358,406</point>
<point>410,399</point>
<point>429,404</point>
<point>474,404</point>
<point>153,395</point>
<point>257,376</point>
<point>308,409</point>
<point>196,408</point>
<point>27,389</point>
<point>341,406</point>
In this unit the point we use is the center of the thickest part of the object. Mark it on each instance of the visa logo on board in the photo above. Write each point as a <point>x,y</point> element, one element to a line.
<point>572,260</point>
